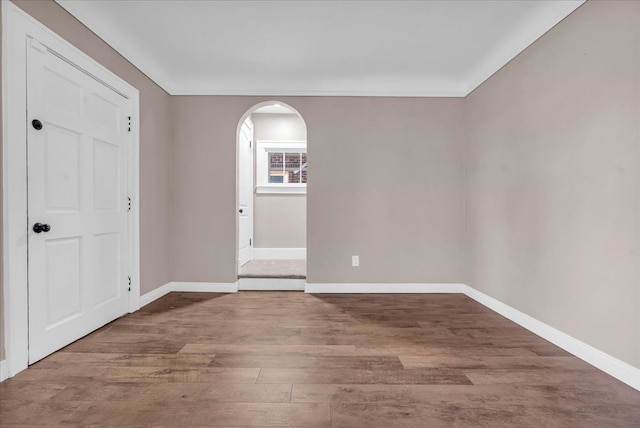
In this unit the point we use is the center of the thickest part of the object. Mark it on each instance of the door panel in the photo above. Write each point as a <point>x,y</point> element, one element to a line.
<point>107,268</point>
<point>77,178</point>
<point>62,280</point>
<point>63,96</point>
<point>245,193</point>
<point>62,168</point>
<point>105,113</point>
<point>106,195</point>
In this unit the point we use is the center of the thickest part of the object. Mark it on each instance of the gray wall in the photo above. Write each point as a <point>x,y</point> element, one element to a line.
<point>2,351</point>
<point>545,156</point>
<point>280,221</point>
<point>385,183</point>
<point>552,179</point>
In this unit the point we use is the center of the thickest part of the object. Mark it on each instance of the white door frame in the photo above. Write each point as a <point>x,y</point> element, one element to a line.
<point>17,28</point>
<point>251,203</point>
<point>247,115</point>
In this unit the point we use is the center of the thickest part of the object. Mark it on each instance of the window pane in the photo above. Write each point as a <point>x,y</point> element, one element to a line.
<point>276,174</point>
<point>292,167</point>
<point>287,167</point>
<point>303,177</point>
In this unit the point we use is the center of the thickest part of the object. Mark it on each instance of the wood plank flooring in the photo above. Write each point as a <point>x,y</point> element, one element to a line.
<point>289,359</point>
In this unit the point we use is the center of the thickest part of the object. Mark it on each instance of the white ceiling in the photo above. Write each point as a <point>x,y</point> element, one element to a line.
<point>399,48</point>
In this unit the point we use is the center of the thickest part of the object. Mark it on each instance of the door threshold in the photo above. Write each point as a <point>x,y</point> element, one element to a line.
<point>271,284</point>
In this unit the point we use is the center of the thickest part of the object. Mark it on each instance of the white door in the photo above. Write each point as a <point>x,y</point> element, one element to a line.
<point>245,193</point>
<point>77,181</point>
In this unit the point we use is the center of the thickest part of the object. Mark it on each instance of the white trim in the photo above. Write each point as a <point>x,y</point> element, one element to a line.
<point>384,288</point>
<point>154,295</point>
<point>248,167</point>
<point>4,370</point>
<point>271,284</point>
<point>14,196</point>
<point>282,145</point>
<point>210,287</point>
<point>263,148</point>
<point>134,213</point>
<point>17,28</point>
<point>281,189</point>
<point>314,93</point>
<point>156,74</point>
<point>205,287</point>
<point>618,369</point>
<point>517,43</point>
<point>279,254</point>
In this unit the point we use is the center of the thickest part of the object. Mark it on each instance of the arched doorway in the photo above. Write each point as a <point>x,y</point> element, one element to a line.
<point>271,197</point>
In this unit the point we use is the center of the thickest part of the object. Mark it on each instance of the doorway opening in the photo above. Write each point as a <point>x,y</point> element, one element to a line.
<point>271,198</point>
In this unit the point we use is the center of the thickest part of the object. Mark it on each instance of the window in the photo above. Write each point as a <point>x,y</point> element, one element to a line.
<point>281,167</point>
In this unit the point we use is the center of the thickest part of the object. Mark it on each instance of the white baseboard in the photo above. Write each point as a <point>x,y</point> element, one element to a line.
<point>211,287</point>
<point>152,295</point>
<point>271,284</point>
<point>279,253</point>
<point>618,369</point>
<point>206,287</point>
<point>384,288</point>
<point>4,370</point>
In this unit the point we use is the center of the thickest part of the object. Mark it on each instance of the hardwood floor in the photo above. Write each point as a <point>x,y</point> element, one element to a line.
<point>293,359</point>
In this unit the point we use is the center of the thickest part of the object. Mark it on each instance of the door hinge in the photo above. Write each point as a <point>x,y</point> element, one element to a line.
<point>249,143</point>
<point>129,199</point>
<point>129,283</point>
<point>129,123</point>
<point>250,242</point>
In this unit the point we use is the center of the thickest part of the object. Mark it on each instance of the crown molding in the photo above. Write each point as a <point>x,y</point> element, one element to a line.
<point>518,44</point>
<point>501,56</point>
<point>138,59</point>
<point>286,93</point>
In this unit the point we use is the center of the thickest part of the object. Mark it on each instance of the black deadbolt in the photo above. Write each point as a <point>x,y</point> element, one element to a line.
<point>39,227</point>
<point>36,124</point>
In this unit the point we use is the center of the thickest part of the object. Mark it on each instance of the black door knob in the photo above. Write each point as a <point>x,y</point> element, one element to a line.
<point>240,210</point>
<point>39,227</point>
<point>36,124</point>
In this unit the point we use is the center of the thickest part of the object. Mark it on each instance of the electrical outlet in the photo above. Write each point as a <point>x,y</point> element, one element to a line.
<point>355,261</point>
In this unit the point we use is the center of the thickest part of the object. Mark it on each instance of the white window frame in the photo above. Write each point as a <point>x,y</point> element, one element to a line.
<point>263,148</point>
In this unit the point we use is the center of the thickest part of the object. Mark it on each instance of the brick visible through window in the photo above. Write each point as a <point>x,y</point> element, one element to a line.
<point>287,167</point>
